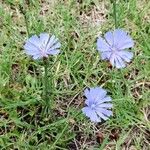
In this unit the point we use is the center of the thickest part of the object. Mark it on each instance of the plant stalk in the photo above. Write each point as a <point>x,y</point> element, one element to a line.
<point>23,11</point>
<point>45,60</point>
<point>115,13</point>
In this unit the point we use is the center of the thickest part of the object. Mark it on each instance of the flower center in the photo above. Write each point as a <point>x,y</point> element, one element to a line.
<point>114,49</point>
<point>43,52</point>
<point>93,106</point>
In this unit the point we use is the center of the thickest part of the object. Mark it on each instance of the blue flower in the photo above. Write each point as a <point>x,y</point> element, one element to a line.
<point>98,104</point>
<point>113,47</point>
<point>42,46</point>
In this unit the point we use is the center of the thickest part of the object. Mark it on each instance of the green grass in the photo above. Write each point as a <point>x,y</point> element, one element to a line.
<point>24,125</point>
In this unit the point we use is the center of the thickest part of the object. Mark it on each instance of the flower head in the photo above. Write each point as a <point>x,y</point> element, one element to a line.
<point>113,47</point>
<point>98,104</point>
<point>42,46</point>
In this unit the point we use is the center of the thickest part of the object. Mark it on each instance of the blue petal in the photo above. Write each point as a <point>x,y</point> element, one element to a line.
<point>99,113</point>
<point>38,56</point>
<point>32,46</point>
<point>106,99</point>
<point>126,56</point>
<point>105,112</point>
<point>30,49</point>
<point>117,61</point>
<point>54,49</point>
<point>91,114</point>
<point>105,105</point>
<point>53,40</point>
<point>97,93</point>
<point>87,93</point>
<point>44,38</point>
<point>35,41</point>
<point>53,52</point>
<point>109,38</point>
<point>102,46</point>
<point>56,45</point>
<point>112,59</point>
<point>94,95</point>
<point>88,96</point>
<point>105,55</point>
<point>122,40</point>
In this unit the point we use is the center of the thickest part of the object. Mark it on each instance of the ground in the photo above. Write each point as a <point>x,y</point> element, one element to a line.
<point>24,125</point>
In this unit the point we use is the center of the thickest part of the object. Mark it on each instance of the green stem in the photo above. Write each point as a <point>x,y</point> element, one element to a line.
<point>115,13</point>
<point>46,81</point>
<point>26,22</point>
<point>22,10</point>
